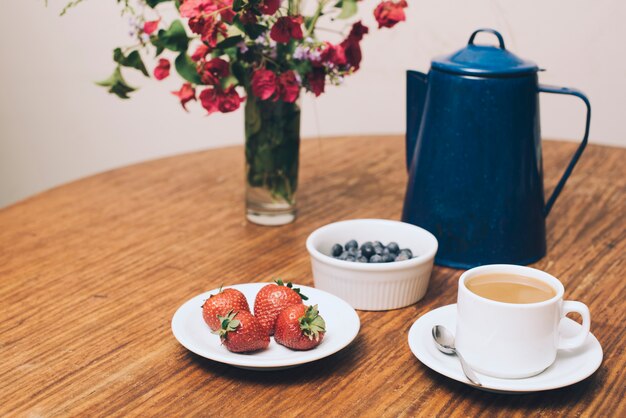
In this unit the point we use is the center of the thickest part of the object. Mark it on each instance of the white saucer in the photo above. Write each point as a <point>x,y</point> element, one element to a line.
<point>571,366</point>
<point>342,326</point>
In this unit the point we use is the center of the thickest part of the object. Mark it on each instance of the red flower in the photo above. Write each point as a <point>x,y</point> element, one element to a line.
<point>150,27</point>
<point>209,28</point>
<point>228,15</point>
<point>317,79</point>
<point>201,51</point>
<point>214,100</point>
<point>358,30</point>
<point>247,17</point>
<point>196,8</point>
<point>288,87</point>
<point>286,28</point>
<point>210,100</point>
<point>213,70</point>
<point>263,83</point>
<point>352,51</point>
<point>269,7</point>
<point>388,13</point>
<point>351,46</point>
<point>162,70</point>
<point>229,100</point>
<point>333,54</point>
<point>185,94</point>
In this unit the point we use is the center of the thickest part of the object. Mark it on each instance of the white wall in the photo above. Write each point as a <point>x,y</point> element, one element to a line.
<point>56,126</point>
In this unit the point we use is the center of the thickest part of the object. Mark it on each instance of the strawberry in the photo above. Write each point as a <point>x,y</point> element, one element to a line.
<point>272,299</point>
<point>240,332</point>
<point>300,327</point>
<point>222,302</point>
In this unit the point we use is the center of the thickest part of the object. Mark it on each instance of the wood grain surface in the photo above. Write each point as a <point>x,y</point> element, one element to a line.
<point>92,272</point>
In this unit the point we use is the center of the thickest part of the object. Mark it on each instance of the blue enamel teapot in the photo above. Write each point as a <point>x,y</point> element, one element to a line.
<point>473,150</point>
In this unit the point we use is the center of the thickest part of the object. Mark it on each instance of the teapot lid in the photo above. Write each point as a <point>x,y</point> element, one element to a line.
<point>484,60</point>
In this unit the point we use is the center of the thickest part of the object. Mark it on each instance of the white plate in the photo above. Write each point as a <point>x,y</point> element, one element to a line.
<point>571,366</point>
<point>342,326</point>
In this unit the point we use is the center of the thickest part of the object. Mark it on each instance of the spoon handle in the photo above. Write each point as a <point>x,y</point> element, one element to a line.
<point>469,373</point>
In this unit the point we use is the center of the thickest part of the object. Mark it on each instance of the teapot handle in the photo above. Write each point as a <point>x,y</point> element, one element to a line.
<point>581,147</point>
<point>492,31</point>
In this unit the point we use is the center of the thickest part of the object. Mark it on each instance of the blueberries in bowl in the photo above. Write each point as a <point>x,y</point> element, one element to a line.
<point>370,252</point>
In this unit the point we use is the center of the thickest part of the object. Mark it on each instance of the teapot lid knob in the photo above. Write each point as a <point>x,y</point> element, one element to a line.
<point>492,31</point>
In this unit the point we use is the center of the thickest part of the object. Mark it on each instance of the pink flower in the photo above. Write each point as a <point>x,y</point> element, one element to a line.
<point>162,70</point>
<point>196,8</point>
<point>185,94</point>
<point>263,83</point>
<point>288,86</point>
<point>150,27</point>
<point>389,13</point>
<point>287,28</point>
<point>229,100</point>
<point>201,51</point>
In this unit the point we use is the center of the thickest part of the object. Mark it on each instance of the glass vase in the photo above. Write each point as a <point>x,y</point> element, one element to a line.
<point>272,130</point>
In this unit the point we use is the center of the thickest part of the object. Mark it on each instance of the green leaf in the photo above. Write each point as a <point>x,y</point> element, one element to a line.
<point>153,3</point>
<point>348,8</point>
<point>228,81</point>
<point>187,68</point>
<point>229,42</point>
<point>237,5</point>
<point>133,60</point>
<point>117,85</point>
<point>254,30</point>
<point>174,38</point>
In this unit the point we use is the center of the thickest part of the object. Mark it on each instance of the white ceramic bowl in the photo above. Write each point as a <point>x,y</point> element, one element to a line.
<point>373,286</point>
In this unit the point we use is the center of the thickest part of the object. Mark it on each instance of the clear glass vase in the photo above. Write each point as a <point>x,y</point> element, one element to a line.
<point>272,131</point>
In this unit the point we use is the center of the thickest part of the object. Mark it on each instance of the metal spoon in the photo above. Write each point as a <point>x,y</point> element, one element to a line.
<point>444,340</point>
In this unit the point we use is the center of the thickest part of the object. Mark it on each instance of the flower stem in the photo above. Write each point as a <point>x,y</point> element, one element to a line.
<point>316,16</point>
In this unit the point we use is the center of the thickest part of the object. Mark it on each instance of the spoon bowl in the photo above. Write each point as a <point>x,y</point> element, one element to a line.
<point>444,340</point>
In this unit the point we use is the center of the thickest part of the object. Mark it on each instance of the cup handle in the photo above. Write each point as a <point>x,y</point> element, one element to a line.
<point>578,339</point>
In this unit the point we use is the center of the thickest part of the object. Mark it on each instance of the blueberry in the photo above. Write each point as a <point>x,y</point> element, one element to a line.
<point>378,244</point>
<point>393,247</point>
<point>408,252</point>
<point>376,259</point>
<point>388,258</point>
<point>362,259</point>
<point>379,249</point>
<point>368,250</point>
<point>350,258</point>
<point>336,250</point>
<point>343,255</point>
<point>352,244</point>
<point>402,256</point>
<point>352,251</point>
<point>386,251</point>
<point>366,243</point>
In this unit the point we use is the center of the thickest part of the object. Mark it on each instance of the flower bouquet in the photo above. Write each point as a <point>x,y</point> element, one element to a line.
<point>263,52</point>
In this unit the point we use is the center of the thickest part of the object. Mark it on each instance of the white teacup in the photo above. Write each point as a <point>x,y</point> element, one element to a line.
<point>514,340</point>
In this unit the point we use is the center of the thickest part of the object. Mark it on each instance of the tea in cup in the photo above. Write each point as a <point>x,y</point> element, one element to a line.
<point>508,320</point>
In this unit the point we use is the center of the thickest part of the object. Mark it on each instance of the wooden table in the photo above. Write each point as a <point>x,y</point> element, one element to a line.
<point>92,272</point>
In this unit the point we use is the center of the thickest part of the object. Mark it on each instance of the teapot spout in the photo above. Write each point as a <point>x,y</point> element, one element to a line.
<point>416,84</point>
